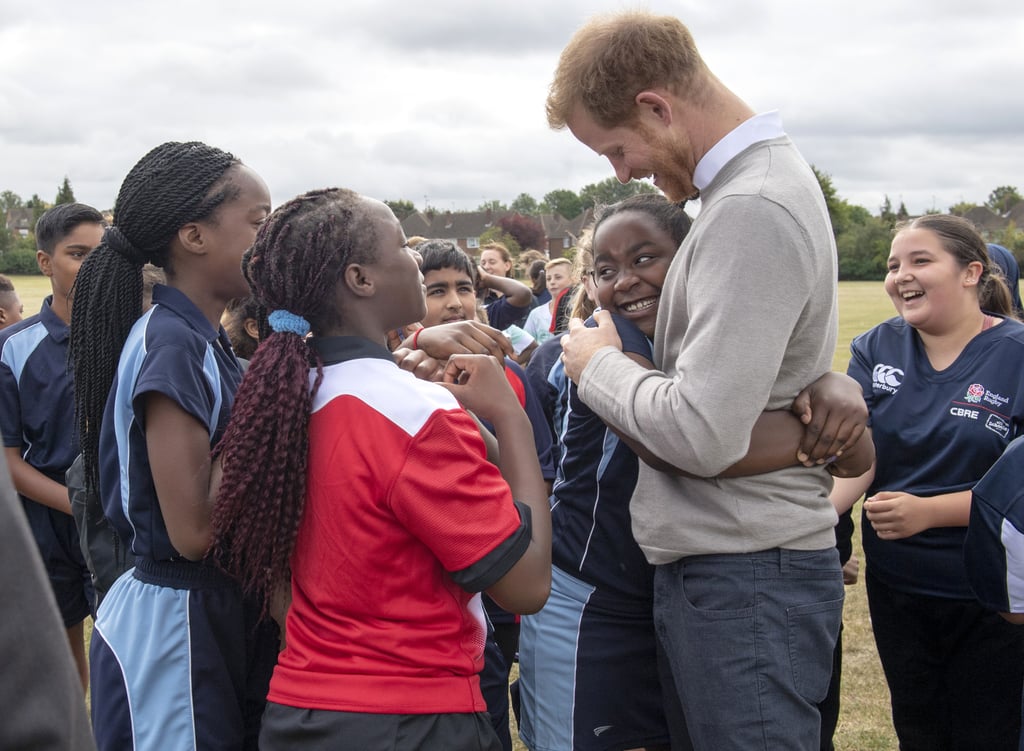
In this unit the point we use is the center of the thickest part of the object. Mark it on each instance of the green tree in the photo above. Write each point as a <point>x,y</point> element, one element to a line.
<point>1012,238</point>
<point>863,248</point>
<point>19,260</point>
<point>886,214</point>
<point>493,205</point>
<point>10,200</point>
<point>1003,198</point>
<point>612,191</point>
<point>495,234</point>
<point>838,209</point>
<point>563,202</point>
<point>38,206</point>
<point>525,204</point>
<point>64,194</point>
<point>962,207</point>
<point>401,208</point>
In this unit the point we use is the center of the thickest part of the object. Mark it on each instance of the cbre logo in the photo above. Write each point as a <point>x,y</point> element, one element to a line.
<point>886,378</point>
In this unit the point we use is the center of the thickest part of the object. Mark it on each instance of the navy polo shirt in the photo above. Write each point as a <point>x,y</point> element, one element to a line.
<point>501,314</point>
<point>537,371</point>
<point>172,350</point>
<point>37,398</point>
<point>935,432</point>
<point>590,523</point>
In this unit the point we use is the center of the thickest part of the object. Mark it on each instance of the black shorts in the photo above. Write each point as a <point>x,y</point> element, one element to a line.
<point>57,538</point>
<point>285,728</point>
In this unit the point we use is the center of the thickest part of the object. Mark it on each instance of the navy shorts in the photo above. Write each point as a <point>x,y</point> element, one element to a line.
<point>286,728</point>
<point>179,660</point>
<point>588,673</point>
<point>57,537</point>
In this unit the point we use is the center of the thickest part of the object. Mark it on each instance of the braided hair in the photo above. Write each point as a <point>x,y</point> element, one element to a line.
<point>300,254</point>
<point>172,185</point>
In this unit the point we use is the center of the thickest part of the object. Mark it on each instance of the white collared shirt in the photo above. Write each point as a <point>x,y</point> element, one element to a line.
<point>761,127</point>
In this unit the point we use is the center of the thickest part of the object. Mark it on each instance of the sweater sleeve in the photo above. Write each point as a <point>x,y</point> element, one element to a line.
<point>734,306</point>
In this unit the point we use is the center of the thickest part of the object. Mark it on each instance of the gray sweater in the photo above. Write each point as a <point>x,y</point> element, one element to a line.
<point>747,319</point>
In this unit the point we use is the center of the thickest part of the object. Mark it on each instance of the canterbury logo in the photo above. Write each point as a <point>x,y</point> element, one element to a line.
<point>602,728</point>
<point>886,377</point>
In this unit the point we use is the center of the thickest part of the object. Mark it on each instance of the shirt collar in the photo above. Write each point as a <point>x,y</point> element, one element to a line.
<point>336,349</point>
<point>178,302</point>
<point>55,327</point>
<point>761,127</point>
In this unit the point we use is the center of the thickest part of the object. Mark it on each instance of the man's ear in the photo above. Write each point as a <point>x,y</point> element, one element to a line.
<point>359,280</point>
<point>190,236</point>
<point>654,104</point>
<point>45,262</point>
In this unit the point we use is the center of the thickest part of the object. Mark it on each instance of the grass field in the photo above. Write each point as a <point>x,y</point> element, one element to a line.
<point>864,722</point>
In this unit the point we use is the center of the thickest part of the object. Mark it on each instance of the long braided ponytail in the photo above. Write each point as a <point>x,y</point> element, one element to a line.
<point>299,256</point>
<point>172,185</point>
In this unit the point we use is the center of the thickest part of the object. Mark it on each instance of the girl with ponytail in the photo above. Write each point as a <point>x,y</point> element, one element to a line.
<point>364,495</point>
<point>176,656</point>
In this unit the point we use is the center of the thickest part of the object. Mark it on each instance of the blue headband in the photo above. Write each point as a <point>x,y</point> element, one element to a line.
<point>284,321</point>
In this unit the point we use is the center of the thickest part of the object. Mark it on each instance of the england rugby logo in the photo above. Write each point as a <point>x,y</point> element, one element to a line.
<point>974,393</point>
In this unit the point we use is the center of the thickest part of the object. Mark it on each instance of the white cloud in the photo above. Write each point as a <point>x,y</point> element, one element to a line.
<point>444,99</point>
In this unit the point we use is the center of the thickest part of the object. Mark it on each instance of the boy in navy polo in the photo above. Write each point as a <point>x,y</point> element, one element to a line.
<point>11,309</point>
<point>37,409</point>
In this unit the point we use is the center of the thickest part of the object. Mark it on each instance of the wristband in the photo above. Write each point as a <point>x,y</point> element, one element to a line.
<point>415,338</point>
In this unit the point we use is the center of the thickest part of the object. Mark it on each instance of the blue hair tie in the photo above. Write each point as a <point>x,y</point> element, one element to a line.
<point>284,321</point>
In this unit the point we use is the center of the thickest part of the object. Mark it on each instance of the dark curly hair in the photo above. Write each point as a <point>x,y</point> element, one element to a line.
<point>237,312</point>
<point>669,216</point>
<point>300,254</point>
<point>172,185</point>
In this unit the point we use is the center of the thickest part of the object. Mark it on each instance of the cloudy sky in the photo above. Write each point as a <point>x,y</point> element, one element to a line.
<point>441,102</point>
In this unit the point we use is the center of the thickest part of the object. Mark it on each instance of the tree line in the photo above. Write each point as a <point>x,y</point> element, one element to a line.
<point>862,238</point>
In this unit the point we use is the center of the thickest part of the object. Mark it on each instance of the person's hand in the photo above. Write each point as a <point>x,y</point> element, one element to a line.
<point>397,337</point>
<point>855,461</point>
<point>895,516</point>
<point>835,415</point>
<point>483,279</point>
<point>580,343</point>
<point>419,363</point>
<point>851,570</point>
<point>480,385</point>
<point>463,338</point>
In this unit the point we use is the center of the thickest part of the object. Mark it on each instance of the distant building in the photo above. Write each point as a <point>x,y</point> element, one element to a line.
<point>19,222</point>
<point>988,222</point>
<point>464,228</point>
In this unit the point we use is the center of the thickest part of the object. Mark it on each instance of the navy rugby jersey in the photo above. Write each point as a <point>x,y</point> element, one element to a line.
<point>934,433</point>
<point>173,350</point>
<point>591,532</point>
<point>994,548</point>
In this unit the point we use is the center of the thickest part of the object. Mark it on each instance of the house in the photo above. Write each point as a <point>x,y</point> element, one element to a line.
<point>464,228</point>
<point>19,222</point>
<point>1016,215</point>
<point>987,221</point>
<point>561,233</point>
<point>461,227</point>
